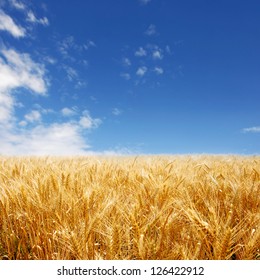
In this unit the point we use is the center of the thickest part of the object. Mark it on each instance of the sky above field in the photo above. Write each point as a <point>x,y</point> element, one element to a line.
<point>129,76</point>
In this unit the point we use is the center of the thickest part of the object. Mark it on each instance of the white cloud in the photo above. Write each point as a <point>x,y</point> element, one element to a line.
<point>56,139</point>
<point>116,112</point>
<point>53,139</point>
<point>33,116</point>
<point>87,122</point>
<point>67,112</point>
<point>126,76</point>
<point>43,110</point>
<point>7,24</point>
<point>158,70</point>
<point>18,5</point>
<point>126,61</point>
<point>19,70</point>
<point>66,138</point>
<point>23,123</point>
<point>141,52</point>
<point>141,71</point>
<point>157,54</point>
<point>151,30</point>
<point>32,18</point>
<point>254,129</point>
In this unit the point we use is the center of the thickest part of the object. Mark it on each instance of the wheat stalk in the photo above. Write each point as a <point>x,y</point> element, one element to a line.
<point>145,207</point>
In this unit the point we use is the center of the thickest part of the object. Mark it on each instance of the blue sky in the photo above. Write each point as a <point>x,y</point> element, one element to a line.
<point>132,76</point>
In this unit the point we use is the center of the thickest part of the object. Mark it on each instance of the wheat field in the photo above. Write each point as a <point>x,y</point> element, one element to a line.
<point>129,208</point>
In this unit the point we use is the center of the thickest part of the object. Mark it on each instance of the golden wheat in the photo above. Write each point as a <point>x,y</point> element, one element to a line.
<point>146,207</point>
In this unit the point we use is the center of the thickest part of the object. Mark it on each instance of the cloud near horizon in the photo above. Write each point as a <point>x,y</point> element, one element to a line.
<point>18,70</point>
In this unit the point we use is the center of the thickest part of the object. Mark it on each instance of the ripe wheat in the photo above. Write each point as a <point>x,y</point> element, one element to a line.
<point>147,207</point>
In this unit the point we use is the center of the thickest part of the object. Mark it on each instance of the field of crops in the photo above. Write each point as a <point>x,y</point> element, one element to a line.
<point>145,207</point>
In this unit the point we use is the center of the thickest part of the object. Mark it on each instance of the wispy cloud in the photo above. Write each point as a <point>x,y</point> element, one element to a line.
<point>7,103</point>
<point>80,84</point>
<point>141,52</point>
<point>144,2</point>
<point>89,44</point>
<point>69,48</point>
<point>17,4</point>
<point>69,43</point>
<point>72,73</point>
<point>151,30</point>
<point>168,50</point>
<point>87,122</point>
<point>43,110</point>
<point>254,129</point>
<point>8,24</point>
<point>126,61</point>
<point>65,45</point>
<point>158,70</point>
<point>126,76</point>
<point>148,59</point>
<point>157,54</point>
<point>32,18</point>
<point>116,112</point>
<point>141,71</point>
<point>50,60</point>
<point>19,70</point>
<point>33,116</point>
<point>156,51</point>
<point>73,76</point>
<point>68,112</point>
